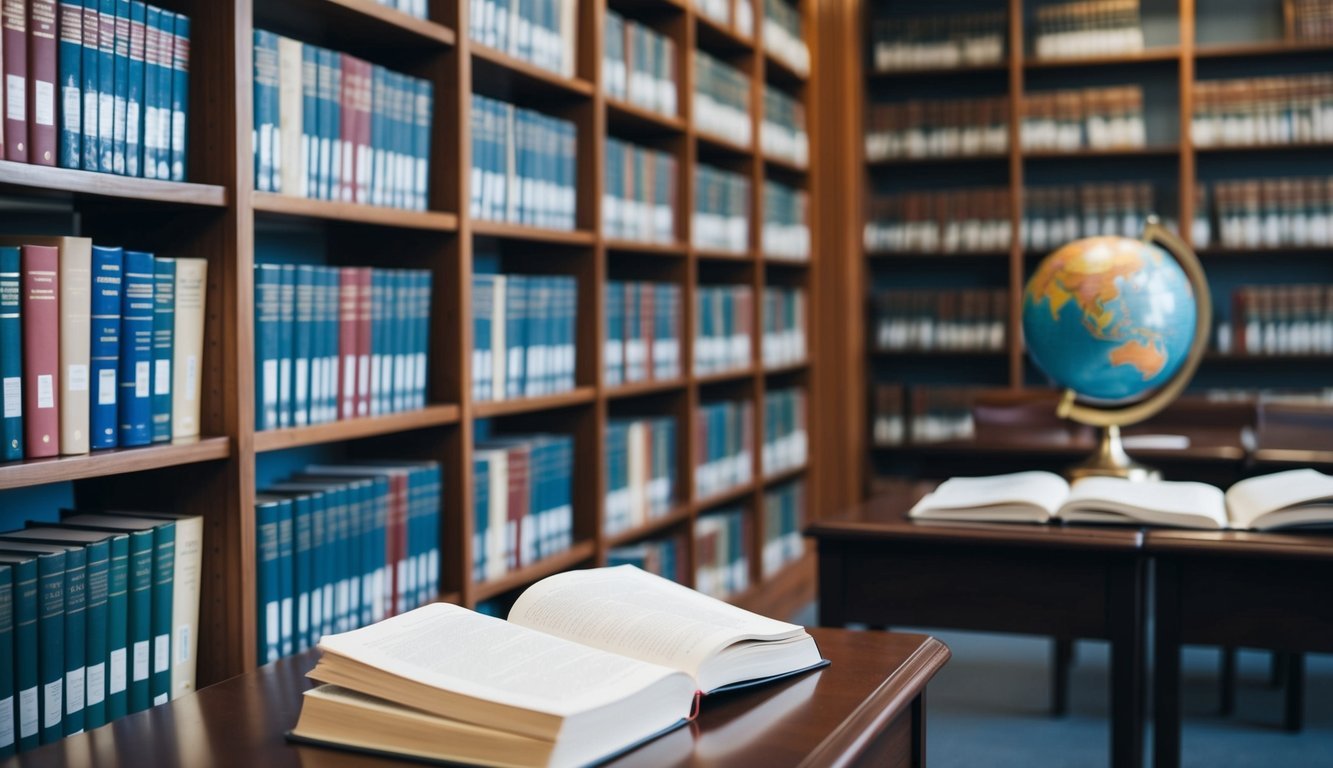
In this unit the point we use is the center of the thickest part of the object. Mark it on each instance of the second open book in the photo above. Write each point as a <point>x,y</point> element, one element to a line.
<point>1299,497</point>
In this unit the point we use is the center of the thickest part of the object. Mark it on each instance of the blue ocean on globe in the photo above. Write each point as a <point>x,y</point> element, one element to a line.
<point>1111,318</point>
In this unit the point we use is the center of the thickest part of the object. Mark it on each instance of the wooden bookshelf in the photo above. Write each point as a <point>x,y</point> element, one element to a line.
<point>115,461</point>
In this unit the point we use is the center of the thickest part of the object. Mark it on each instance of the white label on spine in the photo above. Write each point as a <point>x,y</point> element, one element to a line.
<point>162,653</point>
<point>141,660</point>
<point>161,377</point>
<point>182,644</point>
<point>46,392</point>
<point>106,386</point>
<point>132,123</point>
<point>96,683</point>
<point>28,712</point>
<point>161,698</point>
<point>13,397</point>
<point>16,101</point>
<point>77,380</point>
<point>141,378</point>
<point>52,702</point>
<point>6,721</point>
<point>72,103</point>
<point>117,682</point>
<point>74,689</point>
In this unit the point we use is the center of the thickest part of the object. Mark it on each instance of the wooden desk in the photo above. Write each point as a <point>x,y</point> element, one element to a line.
<point>1235,588</point>
<point>878,567</point>
<point>867,708</point>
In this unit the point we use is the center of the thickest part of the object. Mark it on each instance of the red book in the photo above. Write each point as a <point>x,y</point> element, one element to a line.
<point>41,351</point>
<point>396,542</point>
<point>348,312</point>
<point>519,461</point>
<point>42,82</point>
<point>647,325</point>
<point>365,304</point>
<point>14,44</point>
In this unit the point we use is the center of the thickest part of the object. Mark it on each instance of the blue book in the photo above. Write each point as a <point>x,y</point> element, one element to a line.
<point>303,344</point>
<point>318,334</point>
<point>11,354</point>
<point>89,84</point>
<point>336,139</point>
<point>134,94</point>
<point>265,135</point>
<point>105,350</point>
<point>310,119</point>
<point>106,85</point>
<point>166,24</point>
<point>121,65</point>
<point>324,123</point>
<point>303,571</point>
<point>7,741</point>
<point>328,344</point>
<point>268,590</point>
<point>378,124</point>
<point>268,285</point>
<point>379,336</point>
<point>483,301</point>
<point>51,644</point>
<point>180,95</point>
<point>285,579</point>
<point>152,99</point>
<point>425,281</point>
<point>164,325</point>
<point>516,311</point>
<point>69,55</point>
<point>133,408</point>
<point>26,717</point>
<point>425,108</point>
<point>286,341</point>
<point>402,291</point>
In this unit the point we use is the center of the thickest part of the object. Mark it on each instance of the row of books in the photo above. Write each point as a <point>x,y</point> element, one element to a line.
<point>784,521</point>
<point>938,128</point>
<point>723,334</point>
<point>737,15</point>
<point>99,85</point>
<point>785,320</point>
<point>540,32</point>
<point>783,34</point>
<point>665,557</point>
<point>938,42</point>
<point>1274,320</point>
<point>922,414</point>
<point>100,619</point>
<point>722,552</point>
<point>1272,213</point>
<point>643,330</point>
<point>721,99</point>
<point>1091,118</point>
<point>723,445</point>
<point>953,221</point>
<point>337,343</point>
<point>964,320</point>
<point>721,210</point>
<point>99,347</point>
<point>1311,20</point>
<point>341,546</point>
<point>522,335</point>
<point>1087,28</point>
<point>786,441</point>
<point>331,126</point>
<point>1052,216</point>
<point>640,471</point>
<point>639,65</point>
<point>782,133</point>
<point>523,502</point>
<point>522,166</point>
<point>1263,111</point>
<point>786,227</point>
<point>639,199</point>
<point>417,8</point>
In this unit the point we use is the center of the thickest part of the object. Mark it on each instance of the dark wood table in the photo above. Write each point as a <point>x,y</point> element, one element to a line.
<point>880,568</point>
<point>867,708</point>
<point>1235,588</point>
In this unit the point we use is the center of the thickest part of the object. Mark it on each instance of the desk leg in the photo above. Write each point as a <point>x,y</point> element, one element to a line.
<point>832,586</point>
<point>1062,656</point>
<point>1293,718</point>
<point>1226,680</point>
<point>1166,660</point>
<point>1126,607</point>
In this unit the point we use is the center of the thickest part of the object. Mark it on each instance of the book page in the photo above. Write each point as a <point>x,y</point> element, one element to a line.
<point>1042,491</point>
<point>627,611</point>
<point>449,647</point>
<point>1157,502</point>
<point>1250,499</point>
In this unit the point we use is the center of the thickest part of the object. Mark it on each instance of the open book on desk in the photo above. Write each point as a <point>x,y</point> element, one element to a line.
<point>1298,497</point>
<point>589,664</point>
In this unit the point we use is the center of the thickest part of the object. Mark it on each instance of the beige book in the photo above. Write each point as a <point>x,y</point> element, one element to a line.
<point>291,173</point>
<point>187,356</point>
<point>76,296</point>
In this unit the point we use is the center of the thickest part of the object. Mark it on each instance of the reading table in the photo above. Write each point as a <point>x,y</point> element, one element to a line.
<point>878,567</point>
<point>866,708</point>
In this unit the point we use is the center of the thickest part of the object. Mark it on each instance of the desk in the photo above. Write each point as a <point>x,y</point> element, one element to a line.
<point>1235,588</point>
<point>867,708</point>
<point>878,567</point>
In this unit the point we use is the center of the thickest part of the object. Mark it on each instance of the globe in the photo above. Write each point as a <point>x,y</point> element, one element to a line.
<point>1110,318</point>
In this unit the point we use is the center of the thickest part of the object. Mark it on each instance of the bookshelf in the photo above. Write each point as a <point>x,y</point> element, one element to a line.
<point>219,215</point>
<point>1186,43</point>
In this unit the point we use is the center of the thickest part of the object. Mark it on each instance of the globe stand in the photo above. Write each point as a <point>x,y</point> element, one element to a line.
<point>1110,460</point>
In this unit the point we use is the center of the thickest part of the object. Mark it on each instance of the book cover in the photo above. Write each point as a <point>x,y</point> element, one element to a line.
<point>303,339</point>
<point>305,60</point>
<point>285,580</point>
<point>11,354</point>
<point>325,125</point>
<point>106,85</point>
<point>90,84</point>
<point>162,130</point>
<point>268,284</point>
<point>104,347</point>
<point>286,341</point>
<point>41,355</point>
<point>188,347</point>
<point>266,135</point>
<point>121,67</point>
<point>51,643</point>
<point>7,709</point>
<point>14,56</point>
<point>134,374</point>
<point>70,62</point>
<point>75,615</point>
<point>26,722</point>
<point>135,90</point>
<point>180,95</point>
<point>163,606</point>
<point>150,140</point>
<point>164,329</point>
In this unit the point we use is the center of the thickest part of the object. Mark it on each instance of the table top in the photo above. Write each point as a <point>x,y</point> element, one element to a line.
<point>1302,545</point>
<point>816,718</point>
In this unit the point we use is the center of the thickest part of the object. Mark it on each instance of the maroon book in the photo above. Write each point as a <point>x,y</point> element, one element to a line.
<point>519,461</point>
<point>365,305</point>
<point>42,82</point>
<point>14,42</point>
<point>41,351</point>
<point>348,311</point>
<point>396,542</point>
<point>646,318</point>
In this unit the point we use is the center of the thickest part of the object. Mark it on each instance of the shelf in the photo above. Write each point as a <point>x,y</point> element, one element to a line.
<point>42,178</point>
<point>713,144</point>
<point>713,254</point>
<point>1218,251</point>
<point>507,76</point>
<point>898,162</point>
<point>1148,56</point>
<point>1308,358</point>
<point>960,354</point>
<point>362,23</point>
<point>785,592</point>
<point>1256,50</point>
<point>674,250</point>
<point>1114,152</point>
<point>735,493</point>
<point>677,515</point>
<point>508,231</point>
<point>644,388</point>
<point>30,472</point>
<point>785,165</point>
<point>783,475</point>
<point>539,570</point>
<point>355,429</point>
<point>359,213</point>
<point>786,262</point>
<point>624,117</point>
<point>1264,148</point>
<point>490,409</point>
<point>781,71</point>
<point>971,69</point>
<point>718,38</point>
<point>881,255</point>
<point>786,368</point>
<point>723,377</point>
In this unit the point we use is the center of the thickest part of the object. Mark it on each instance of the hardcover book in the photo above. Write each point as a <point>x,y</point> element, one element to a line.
<point>14,62</point>
<point>11,354</point>
<point>188,347</point>
<point>26,717</point>
<point>134,410</point>
<point>164,334</point>
<point>104,355</point>
<point>41,351</point>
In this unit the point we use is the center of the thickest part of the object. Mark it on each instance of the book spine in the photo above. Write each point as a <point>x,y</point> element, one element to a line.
<point>286,344</point>
<point>346,76</point>
<point>399,349</point>
<point>265,128</point>
<point>163,602</point>
<point>8,711</point>
<point>424,103</point>
<point>26,683</point>
<point>348,348</point>
<point>363,155</point>
<point>121,65</point>
<point>365,309</point>
<point>70,62</point>
<point>319,582</point>
<point>96,628</point>
<point>14,62</point>
<point>285,578</point>
<point>318,342</point>
<point>334,97</point>
<point>89,85</point>
<point>106,85</point>
<point>267,582</point>
<point>268,282</point>
<point>41,344</point>
<point>308,56</point>
<point>76,621</point>
<point>161,129</point>
<point>152,55</point>
<point>330,325</point>
<point>11,353</point>
<point>139,621</point>
<point>180,96</point>
<point>379,312</point>
<point>75,309</point>
<point>51,644</point>
<point>302,573</point>
<point>325,126</point>
<point>302,342</point>
<point>135,90</point>
<point>134,406</point>
<point>42,79</point>
<point>188,346</point>
<point>164,328</point>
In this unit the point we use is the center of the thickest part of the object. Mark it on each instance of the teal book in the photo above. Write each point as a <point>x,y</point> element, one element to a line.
<point>268,285</point>
<point>164,327</point>
<point>163,597</point>
<point>302,571</point>
<point>7,741</point>
<point>134,405</point>
<point>329,538</point>
<point>90,84</point>
<point>121,64</point>
<point>149,140</point>
<point>25,720</point>
<point>106,85</point>
<point>286,342</point>
<point>134,92</point>
<point>180,95</point>
<point>11,354</point>
<point>359,552</point>
<point>312,576</point>
<point>161,133</point>
<point>50,644</point>
<point>70,58</point>
<point>286,579</point>
<point>268,591</point>
<point>303,344</point>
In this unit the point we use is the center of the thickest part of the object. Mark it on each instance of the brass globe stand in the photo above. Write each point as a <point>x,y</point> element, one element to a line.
<point>1110,459</point>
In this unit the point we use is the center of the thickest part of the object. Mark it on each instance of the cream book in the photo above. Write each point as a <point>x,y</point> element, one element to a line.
<point>1299,497</point>
<point>188,351</point>
<point>589,664</point>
